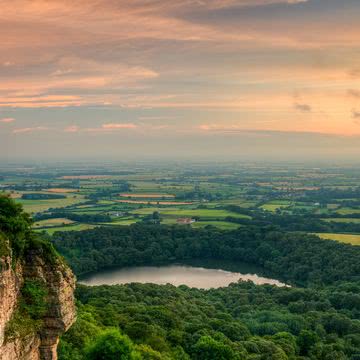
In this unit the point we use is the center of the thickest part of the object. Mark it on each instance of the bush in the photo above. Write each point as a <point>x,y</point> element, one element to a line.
<point>111,345</point>
<point>33,298</point>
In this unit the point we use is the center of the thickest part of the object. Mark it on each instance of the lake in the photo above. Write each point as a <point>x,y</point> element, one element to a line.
<point>203,277</point>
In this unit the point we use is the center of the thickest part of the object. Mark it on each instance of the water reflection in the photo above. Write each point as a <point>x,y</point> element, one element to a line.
<point>198,277</point>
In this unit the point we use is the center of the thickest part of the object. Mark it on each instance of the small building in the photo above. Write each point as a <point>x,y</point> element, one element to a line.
<point>117,214</point>
<point>185,221</point>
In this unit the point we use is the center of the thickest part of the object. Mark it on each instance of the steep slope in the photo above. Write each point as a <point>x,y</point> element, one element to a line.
<point>36,290</point>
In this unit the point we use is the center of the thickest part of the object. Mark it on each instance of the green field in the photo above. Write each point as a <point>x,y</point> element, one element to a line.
<point>201,213</point>
<point>34,206</point>
<point>272,207</point>
<point>347,211</point>
<point>124,221</point>
<point>52,222</point>
<point>219,224</point>
<point>345,238</point>
<point>76,227</point>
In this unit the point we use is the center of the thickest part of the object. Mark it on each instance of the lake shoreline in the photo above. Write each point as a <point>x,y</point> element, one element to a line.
<point>196,273</point>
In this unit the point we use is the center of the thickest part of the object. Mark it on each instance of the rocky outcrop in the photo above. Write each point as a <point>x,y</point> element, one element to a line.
<point>41,342</point>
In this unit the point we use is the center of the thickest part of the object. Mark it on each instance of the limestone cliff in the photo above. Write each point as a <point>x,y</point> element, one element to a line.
<point>24,334</point>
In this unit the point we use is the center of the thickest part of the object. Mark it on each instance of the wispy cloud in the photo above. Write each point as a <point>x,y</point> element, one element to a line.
<point>72,129</point>
<point>29,129</point>
<point>7,120</point>
<point>232,129</point>
<point>119,126</point>
<point>111,127</point>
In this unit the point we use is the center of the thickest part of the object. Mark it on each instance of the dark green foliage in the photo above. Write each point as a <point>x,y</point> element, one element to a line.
<point>111,345</point>
<point>33,298</point>
<point>32,306</point>
<point>242,321</point>
<point>21,325</point>
<point>208,348</point>
<point>15,224</point>
<point>40,196</point>
<point>4,246</point>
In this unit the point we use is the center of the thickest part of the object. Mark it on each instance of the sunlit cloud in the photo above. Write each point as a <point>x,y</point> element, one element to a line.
<point>232,129</point>
<point>29,129</point>
<point>119,126</point>
<point>7,120</point>
<point>111,127</point>
<point>72,129</point>
<point>142,68</point>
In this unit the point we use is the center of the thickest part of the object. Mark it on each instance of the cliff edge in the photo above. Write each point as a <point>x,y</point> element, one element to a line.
<point>36,290</point>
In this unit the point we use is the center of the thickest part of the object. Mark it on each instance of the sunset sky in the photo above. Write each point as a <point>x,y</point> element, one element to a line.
<point>186,78</point>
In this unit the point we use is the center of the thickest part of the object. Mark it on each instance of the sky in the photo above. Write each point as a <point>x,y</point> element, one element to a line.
<point>224,79</point>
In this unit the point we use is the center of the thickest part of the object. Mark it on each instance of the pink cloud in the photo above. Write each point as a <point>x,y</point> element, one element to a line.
<point>72,129</point>
<point>7,120</point>
<point>111,126</point>
<point>29,129</point>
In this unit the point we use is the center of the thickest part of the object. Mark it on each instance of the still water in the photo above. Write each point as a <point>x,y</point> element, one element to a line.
<point>191,275</point>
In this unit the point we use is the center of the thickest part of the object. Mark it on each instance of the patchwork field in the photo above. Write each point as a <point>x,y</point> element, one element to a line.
<point>61,190</point>
<point>52,222</point>
<point>201,213</point>
<point>219,224</point>
<point>147,196</point>
<point>76,227</point>
<point>347,211</point>
<point>345,238</point>
<point>154,202</point>
<point>273,207</point>
<point>34,206</point>
<point>114,196</point>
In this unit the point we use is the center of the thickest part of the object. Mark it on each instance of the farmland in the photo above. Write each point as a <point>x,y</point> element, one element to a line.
<point>295,198</point>
<point>345,238</point>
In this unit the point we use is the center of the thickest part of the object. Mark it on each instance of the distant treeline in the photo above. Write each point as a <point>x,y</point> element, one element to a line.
<point>85,218</point>
<point>40,196</point>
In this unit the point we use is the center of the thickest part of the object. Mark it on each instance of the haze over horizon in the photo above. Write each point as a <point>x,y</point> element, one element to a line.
<point>206,79</point>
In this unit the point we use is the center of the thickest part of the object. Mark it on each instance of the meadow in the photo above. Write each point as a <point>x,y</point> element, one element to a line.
<point>209,194</point>
<point>35,206</point>
<point>353,239</point>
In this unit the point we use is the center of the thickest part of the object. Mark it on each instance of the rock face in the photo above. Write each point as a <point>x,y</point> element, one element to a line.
<point>40,344</point>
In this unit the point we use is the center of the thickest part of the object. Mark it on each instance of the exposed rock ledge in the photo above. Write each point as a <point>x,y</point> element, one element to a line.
<point>60,284</point>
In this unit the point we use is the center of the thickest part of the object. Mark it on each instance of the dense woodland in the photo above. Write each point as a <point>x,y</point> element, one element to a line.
<point>317,318</point>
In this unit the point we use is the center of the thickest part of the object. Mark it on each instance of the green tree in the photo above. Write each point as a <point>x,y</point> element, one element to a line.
<point>306,340</point>
<point>14,223</point>
<point>208,348</point>
<point>111,345</point>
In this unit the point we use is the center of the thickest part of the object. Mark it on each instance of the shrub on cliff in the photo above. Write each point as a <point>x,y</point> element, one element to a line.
<point>15,224</point>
